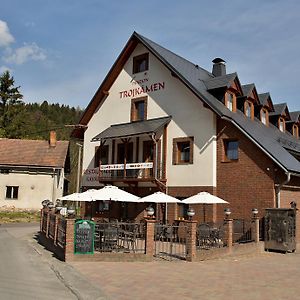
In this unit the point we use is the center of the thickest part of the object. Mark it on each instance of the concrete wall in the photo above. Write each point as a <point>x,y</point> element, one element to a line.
<point>34,187</point>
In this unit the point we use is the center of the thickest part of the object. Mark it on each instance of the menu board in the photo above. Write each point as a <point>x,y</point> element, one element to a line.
<point>84,237</point>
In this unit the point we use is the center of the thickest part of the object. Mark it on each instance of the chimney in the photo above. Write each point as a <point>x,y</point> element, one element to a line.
<point>52,141</point>
<point>219,67</point>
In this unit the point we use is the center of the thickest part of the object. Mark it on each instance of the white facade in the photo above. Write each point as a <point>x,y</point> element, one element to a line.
<point>33,186</point>
<point>166,96</point>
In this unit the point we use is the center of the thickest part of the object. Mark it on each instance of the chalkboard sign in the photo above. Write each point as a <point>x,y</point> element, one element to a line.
<point>84,237</point>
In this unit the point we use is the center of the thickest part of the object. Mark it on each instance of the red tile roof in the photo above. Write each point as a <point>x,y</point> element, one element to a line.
<point>32,153</point>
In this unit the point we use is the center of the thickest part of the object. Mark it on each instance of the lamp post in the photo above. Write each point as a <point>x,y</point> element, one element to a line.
<point>150,211</point>
<point>254,212</point>
<point>190,213</point>
<point>227,212</point>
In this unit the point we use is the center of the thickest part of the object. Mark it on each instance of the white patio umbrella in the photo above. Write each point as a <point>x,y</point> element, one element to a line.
<point>112,193</point>
<point>204,198</point>
<point>159,197</point>
<point>76,197</point>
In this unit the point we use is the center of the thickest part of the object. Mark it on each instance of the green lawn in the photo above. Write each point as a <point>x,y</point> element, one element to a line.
<point>19,216</point>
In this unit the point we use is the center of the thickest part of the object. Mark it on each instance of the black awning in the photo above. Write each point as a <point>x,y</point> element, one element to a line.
<point>137,128</point>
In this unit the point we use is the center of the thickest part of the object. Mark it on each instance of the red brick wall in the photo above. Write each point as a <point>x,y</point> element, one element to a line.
<point>247,183</point>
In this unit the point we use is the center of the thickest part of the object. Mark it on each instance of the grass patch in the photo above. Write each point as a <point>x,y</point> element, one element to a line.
<point>19,216</point>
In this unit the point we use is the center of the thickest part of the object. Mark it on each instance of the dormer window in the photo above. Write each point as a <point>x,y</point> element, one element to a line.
<point>295,131</point>
<point>249,109</point>
<point>281,124</point>
<point>230,101</point>
<point>264,116</point>
<point>141,63</point>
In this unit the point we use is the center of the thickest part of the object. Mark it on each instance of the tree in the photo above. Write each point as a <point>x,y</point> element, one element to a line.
<point>10,100</point>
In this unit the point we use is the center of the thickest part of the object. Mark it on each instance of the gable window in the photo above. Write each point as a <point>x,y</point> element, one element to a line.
<point>101,155</point>
<point>230,101</point>
<point>295,131</point>
<point>264,116</point>
<point>183,150</point>
<point>12,192</point>
<point>281,124</point>
<point>249,109</point>
<point>139,109</point>
<point>231,148</point>
<point>140,63</point>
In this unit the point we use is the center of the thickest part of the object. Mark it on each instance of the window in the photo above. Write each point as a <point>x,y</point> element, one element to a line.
<point>140,63</point>
<point>264,116</point>
<point>101,154</point>
<point>139,109</point>
<point>183,150</point>
<point>231,150</point>
<point>230,101</point>
<point>182,210</point>
<point>249,110</point>
<point>281,124</point>
<point>295,131</point>
<point>12,192</point>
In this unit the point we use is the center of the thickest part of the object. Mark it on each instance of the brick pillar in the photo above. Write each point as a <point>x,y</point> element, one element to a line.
<point>69,246</point>
<point>48,223</point>
<point>255,229</point>
<point>228,223</point>
<point>149,243</point>
<point>191,240</point>
<point>55,229</point>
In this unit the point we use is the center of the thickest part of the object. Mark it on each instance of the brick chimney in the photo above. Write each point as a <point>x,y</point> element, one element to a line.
<point>219,67</point>
<point>52,140</point>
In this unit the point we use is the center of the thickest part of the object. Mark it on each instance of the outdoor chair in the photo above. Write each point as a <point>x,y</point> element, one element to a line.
<point>110,239</point>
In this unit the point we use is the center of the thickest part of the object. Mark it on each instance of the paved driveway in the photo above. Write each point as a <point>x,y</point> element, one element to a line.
<point>262,276</point>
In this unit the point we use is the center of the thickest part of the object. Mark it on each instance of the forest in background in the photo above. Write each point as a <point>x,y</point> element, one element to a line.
<point>20,120</point>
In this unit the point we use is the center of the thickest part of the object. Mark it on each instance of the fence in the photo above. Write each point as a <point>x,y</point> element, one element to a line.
<point>170,241</point>
<point>242,231</point>
<point>211,236</point>
<point>120,237</point>
<point>147,240</point>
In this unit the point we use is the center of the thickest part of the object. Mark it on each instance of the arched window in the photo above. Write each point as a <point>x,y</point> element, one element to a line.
<point>295,131</point>
<point>264,116</point>
<point>249,109</point>
<point>230,101</point>
<point>281,124</point>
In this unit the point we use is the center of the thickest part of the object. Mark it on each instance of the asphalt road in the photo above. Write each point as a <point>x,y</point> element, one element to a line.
<point>28,271</point>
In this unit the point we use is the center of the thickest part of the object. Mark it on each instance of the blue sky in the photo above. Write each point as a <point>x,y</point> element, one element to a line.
<point>60,50</point>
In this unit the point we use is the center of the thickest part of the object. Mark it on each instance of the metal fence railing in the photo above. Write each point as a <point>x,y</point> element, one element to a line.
<point>120,237</point>
<point>210,235</point>
<point>242,231</point>
<point>52,226</point>
<point>170,241</point>
<point>61,232</point>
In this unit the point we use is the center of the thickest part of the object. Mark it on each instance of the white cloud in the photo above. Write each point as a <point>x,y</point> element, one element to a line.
<point>5,36</point>
<point>24,54</point>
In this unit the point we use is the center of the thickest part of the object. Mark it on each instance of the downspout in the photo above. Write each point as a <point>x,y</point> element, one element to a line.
<point>278,188</point>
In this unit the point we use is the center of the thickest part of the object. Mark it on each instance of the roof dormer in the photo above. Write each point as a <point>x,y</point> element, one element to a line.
<point>249,101</point>
<point>280,116</point>
<point>293,124</point>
